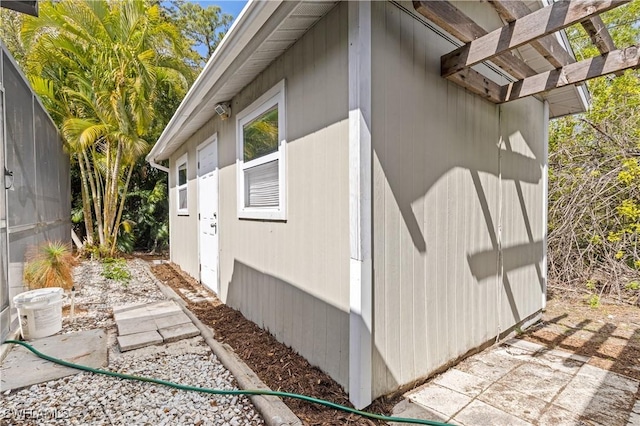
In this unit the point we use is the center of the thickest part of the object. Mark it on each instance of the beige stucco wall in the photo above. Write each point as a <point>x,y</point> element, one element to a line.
<point>454,177</point>
<point>291,277</point>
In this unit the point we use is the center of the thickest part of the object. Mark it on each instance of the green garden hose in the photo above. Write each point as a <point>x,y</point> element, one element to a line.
<point>228,392</point>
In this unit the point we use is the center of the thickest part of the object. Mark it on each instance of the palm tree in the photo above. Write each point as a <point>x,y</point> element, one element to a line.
<point>103,64</point>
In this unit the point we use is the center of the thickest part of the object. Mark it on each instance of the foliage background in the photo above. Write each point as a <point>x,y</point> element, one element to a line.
<point>77,55</point>
<point>594,177</point>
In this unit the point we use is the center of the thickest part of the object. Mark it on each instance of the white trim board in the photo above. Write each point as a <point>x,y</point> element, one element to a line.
<point>360,206</point>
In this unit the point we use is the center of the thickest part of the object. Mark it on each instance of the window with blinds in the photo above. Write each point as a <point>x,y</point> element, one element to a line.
<point>262,185</point>
<point>260,159</point>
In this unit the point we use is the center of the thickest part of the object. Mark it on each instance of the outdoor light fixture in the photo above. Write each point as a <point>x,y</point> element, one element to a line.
<point>223,109</point>
<point>8,179</point>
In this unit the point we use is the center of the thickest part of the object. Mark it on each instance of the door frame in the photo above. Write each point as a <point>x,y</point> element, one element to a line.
<point>210,140</point>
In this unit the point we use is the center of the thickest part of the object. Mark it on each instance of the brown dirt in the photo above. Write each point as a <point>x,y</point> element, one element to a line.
<point>277,365</point>
<point>609,334</point>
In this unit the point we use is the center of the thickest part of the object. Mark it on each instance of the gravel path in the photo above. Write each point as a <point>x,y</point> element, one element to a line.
<point>95,399</point>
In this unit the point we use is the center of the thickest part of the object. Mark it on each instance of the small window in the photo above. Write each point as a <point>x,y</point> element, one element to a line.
<point>181,185</point>
<point>261,165</point>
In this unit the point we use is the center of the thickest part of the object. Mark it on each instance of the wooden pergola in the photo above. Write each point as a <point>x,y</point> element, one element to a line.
<point>535,29</point>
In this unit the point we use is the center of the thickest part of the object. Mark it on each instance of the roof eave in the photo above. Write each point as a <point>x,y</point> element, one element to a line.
<point>249,21</point>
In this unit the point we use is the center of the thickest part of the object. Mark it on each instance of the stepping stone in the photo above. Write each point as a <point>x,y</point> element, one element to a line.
<point>178,332</point>
<point>173,320</point>
<point>22,368</point>
<point>135,325</point>
<point>156,310</point>
<point>151,324</point>
<point>139,340</point>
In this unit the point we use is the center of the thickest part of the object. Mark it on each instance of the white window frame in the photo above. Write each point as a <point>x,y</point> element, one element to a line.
<point>184,159</point>
<point>274,96</point>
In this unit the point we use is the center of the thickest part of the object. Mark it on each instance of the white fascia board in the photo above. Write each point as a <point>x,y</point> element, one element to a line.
<point>244,28</point>
<point>582,92</point>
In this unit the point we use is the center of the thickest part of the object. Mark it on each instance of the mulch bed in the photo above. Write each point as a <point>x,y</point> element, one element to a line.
<point>277,365</point>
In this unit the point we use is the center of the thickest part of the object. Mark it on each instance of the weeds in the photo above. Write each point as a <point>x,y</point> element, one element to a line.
<point>116,269</point>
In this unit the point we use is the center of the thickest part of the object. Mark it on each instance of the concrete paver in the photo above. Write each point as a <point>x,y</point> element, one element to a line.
<point>171,321</point>
<point>598,376</point>
<point>536,380</point>
<point>514,402</point>
<point>408,409</point>
<point>439,399</point>
<point>136,325</point>
<point>523,383</point>
<point>462,382</point>
<point>22,368</point>
<point>557,416</point>
<point>156,310</point>
<point>139,340</point>
<point>634,420</point>
<point>178,332</point>
<point>489,365</point>
<point>604,404</point>
<point>151,324</point>
<point>480,414</point>
<point>559,363</point>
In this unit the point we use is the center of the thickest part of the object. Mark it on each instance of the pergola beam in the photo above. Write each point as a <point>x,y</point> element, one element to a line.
<point>548,46</point>
<point>455,22</point>
<point>533,26</point>
<point>612,62</point>
<point>477,83</point>
<point>599,34</point>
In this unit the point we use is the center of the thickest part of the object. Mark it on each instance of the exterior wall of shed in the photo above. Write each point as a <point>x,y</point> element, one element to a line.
<point>291,277</point>
<point>454,178</point>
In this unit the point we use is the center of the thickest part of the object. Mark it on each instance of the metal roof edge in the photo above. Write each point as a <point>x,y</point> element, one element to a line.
<point>252,17</point>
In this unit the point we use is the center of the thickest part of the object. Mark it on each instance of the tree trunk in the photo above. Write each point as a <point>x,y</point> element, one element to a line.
<point>112,190</point>
<point>119,218</point>
<point>86,205</point>
<point>95,195</point>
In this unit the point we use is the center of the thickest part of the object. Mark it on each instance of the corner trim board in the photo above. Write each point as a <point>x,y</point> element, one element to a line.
<point>360,206</point>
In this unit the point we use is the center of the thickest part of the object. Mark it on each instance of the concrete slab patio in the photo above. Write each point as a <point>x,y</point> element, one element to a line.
<point>523,383</point>
<point>22,368</point>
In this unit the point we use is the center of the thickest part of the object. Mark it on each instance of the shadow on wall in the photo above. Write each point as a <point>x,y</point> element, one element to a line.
<point>317,330</point>
<point>447,128</point>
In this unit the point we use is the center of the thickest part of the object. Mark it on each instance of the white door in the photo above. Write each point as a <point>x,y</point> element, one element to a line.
<point>208,213</point>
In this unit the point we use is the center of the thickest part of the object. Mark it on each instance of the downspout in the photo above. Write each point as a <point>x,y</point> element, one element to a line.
<point>155,165</point>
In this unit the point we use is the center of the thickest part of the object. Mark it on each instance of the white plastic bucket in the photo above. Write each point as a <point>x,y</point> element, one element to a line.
<point>40,312</point>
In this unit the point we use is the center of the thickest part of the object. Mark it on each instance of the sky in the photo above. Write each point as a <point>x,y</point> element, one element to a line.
<point>232,7</point>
